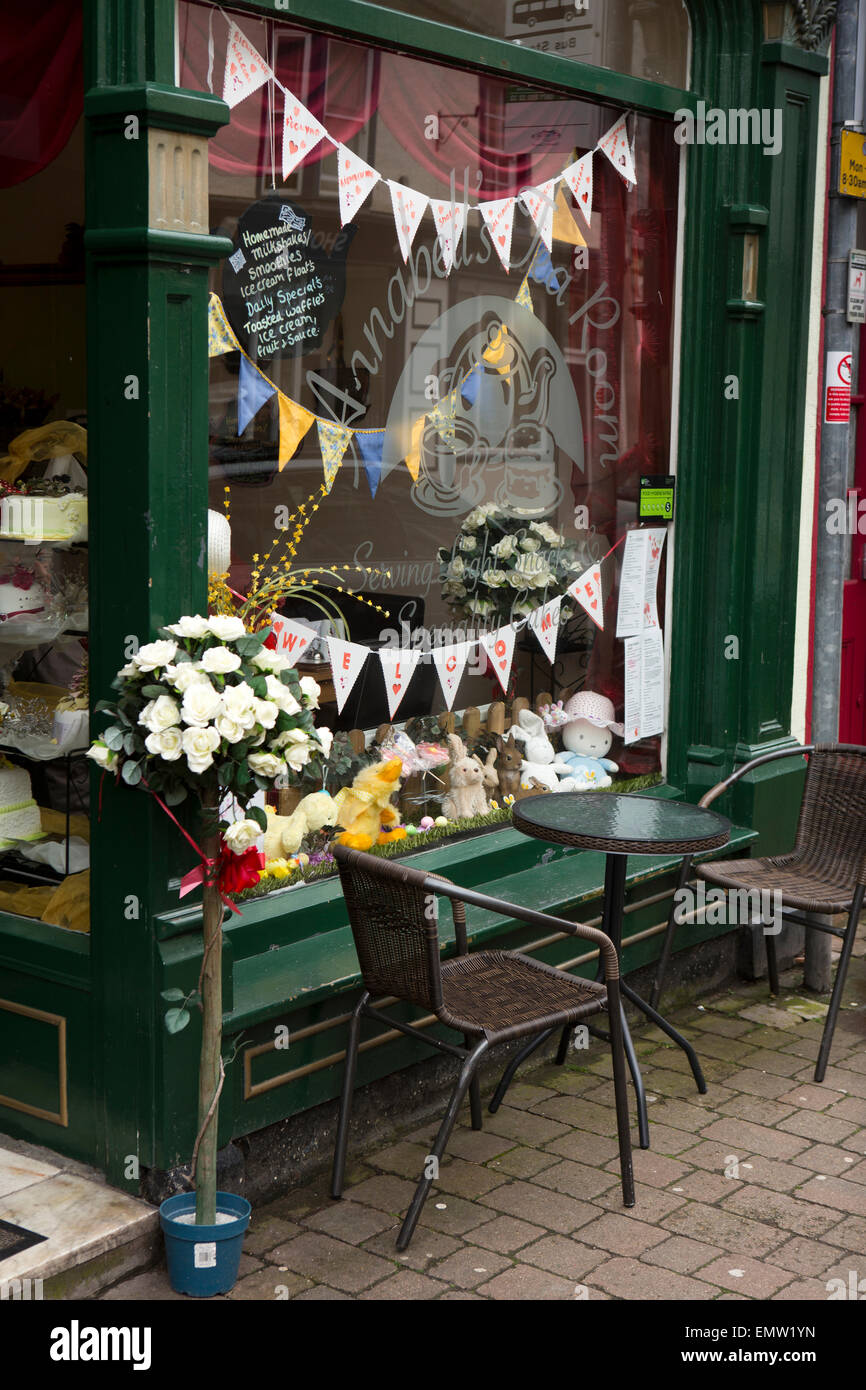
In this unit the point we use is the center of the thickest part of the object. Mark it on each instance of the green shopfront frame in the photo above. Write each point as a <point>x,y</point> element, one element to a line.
<point>122,1084</point>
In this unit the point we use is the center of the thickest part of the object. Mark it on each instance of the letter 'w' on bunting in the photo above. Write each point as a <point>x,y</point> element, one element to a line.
<point>615,145</point>
<point>586,590</point>
<point>253,390</point>
<point>544,622</point>
<point>540,203</point>
<point>355,182</point>
<point>409,206</point>
<point>246,69</point>
<point>499,220</point>
<point>347,663</point>
<point>292,638</point>
<point>450,663</point>
<point>301,133</point>
<point>578,176</point>
<point>333,442</point>
<point>449,219</point>
<point>499,647</point>
<point>398,666</point>
<point>294,423</point>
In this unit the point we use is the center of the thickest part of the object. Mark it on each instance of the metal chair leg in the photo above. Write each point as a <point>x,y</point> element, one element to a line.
<point>839,985</point>
<point>620,1086</point>
<point>475,1111</point>
<point>772,963</point>
<point>562,1050</point>
<point>467,1072</point>
<point>346,1097</point>
<point>670,933</point>
<point>517,1060</point>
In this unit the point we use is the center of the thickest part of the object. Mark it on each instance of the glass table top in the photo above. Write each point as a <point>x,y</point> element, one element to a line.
<point>605,820</point>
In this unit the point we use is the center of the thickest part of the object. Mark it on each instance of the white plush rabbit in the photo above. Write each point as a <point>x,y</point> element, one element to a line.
<point>538,752</point>
<point>465,795</point>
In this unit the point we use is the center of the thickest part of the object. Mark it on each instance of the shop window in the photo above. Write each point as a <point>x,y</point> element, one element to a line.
<point>456,448</point>
<point>44,828</point>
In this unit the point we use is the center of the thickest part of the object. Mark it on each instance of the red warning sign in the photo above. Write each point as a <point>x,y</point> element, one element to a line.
<point>837,407</point>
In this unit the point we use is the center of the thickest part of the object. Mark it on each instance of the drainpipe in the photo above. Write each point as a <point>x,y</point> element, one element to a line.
<point>832,551</point>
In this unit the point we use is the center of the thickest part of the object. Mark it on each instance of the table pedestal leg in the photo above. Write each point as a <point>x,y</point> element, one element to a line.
<point>611,925</point>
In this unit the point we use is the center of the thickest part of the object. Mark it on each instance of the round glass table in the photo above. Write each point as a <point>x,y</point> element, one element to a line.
<point>619,824</point>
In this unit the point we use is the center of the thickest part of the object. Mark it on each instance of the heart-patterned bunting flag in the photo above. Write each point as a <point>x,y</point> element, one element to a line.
<point>540,203</point>
<point>397,667</point>
<point>578,176</point>
<point>544,622</point>
<point>615,145</point>
<point>449,219</point>
<point>292,638</point>
<point>499,647</point>
<point>347,663</point>
<point>586,590</point>
<point>355,182</point>
<point>246,69</point>
<point>409,206</point>
<point>499,220</point>
<point>450,663</point>
<point>301,133</point>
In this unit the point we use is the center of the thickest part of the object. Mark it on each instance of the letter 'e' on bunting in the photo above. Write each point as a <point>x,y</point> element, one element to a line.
<point>398,666</point>
<point>449,219</point>
<point>450,663</point>
<point>294,423</point>
<point>540,203</point>
<point>333,442</point>
<point>301,134</point>
<point>355,182</point>
<point>615,145</point>
<point>499,647</point>
<point>409,206</point>
<point>578,176</point>
<point>544,622</point>
<point>499,220</point>
<point>347,663</point>
<point>246,69</point>
<point>586,590</point>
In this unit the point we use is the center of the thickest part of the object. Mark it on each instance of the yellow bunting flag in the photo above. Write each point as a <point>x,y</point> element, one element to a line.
<point>333,442</point>
<point>413,457</point>
<point>294,423</point>
<point>523,296</point>
<point>220,336</point>
<point>500,354</point>
<point>564,226</point>
<point>443,418</point>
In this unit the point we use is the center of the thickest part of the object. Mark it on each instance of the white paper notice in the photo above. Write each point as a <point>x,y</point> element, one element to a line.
<point>644,685</point>
<point>638,581</point>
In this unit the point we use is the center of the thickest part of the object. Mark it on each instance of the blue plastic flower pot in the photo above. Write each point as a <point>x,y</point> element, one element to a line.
<point>203,1260</point>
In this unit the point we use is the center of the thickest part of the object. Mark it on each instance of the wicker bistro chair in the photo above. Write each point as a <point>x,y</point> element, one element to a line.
<point>488,996</point>
<point>825,872</point>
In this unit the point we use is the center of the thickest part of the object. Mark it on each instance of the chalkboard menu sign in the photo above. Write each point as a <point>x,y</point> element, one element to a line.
<point>284,283</point>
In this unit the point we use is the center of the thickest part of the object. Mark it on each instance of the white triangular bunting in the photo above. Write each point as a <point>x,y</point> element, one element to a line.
<point>586,590</point>
<point>450,663</point>
<point>499,647</point>
<point>540,203</point>
<point>347,663</point>
<point>292,638</point>
<point>301,133</point>
<point>578,176</point>
<point>246,69</point>
<point>398,666</point>
<point>449,219</point>
<point>409,206</point>
<point>355,182</point>
<point>618,150</point>
<point>544,622</point>
<point>499,219</point>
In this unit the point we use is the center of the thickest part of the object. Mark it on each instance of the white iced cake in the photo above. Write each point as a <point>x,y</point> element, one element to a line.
<point>19,814</point>
<point>38,518</point>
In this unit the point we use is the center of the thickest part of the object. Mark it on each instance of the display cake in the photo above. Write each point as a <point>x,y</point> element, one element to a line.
<point>19,814</point>
<point>22,597</point>
<point>43,517</point>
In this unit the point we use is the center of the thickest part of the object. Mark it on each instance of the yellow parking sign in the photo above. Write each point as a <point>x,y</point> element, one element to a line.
<point>852,164</point>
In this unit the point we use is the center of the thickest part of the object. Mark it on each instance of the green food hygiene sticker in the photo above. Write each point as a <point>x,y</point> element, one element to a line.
<point>657,497</point>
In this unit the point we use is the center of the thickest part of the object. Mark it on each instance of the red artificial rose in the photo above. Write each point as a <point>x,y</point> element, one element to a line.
<point>239,871</point>
<point>271,642</point>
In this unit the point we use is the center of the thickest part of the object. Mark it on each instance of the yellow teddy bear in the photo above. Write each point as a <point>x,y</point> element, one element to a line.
<point>365,807</point>
<point>285,833</point>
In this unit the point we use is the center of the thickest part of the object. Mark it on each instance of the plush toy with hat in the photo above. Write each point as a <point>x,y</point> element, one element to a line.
<point>586,739</point>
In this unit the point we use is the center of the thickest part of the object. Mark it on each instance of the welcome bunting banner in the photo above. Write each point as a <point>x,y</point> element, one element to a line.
<point>544,623</point>
<point>246,71</point>
<point>586,590</point>
<point>499,647</point>
<point>347,663</point>
<point>292,638</point>
<point>449,219</point>
<point>398,667</point>
<point>450,663</point>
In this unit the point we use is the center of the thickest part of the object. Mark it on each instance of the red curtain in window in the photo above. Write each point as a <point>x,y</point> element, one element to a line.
<point>41,85</point>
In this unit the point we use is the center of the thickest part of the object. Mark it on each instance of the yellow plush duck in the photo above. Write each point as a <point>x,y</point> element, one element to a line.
<point>285,833</point>
<point>365,807</point>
